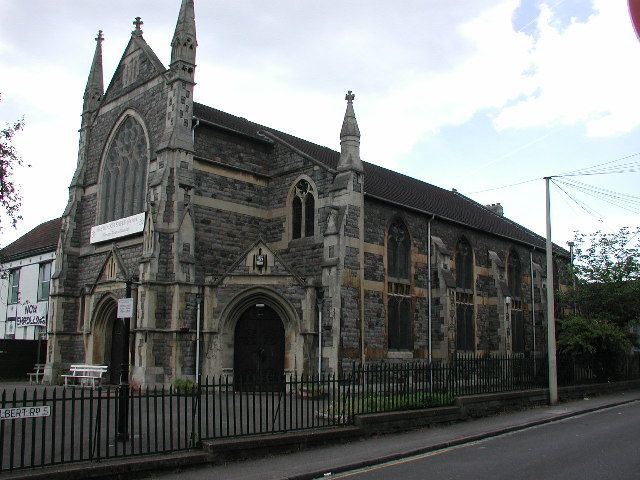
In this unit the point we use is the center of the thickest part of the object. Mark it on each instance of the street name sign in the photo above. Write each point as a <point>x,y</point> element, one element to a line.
<point>25,412</point>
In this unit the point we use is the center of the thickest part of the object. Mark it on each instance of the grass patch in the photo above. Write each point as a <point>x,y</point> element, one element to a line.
<point>377,403</point>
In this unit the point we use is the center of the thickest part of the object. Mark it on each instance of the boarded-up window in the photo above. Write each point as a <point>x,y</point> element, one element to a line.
<point>400,323</point>
<point>465,332</point>
<point>517,331</point>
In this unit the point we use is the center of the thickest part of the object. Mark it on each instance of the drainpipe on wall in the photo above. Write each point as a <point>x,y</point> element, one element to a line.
<point>533,310</point>
<point>198,300</point>
<point>429,283</point>
<point>193,129</point>
<point>320,302</point>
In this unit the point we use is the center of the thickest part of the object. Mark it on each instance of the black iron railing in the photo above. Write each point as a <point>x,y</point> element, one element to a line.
<point>81,424</point>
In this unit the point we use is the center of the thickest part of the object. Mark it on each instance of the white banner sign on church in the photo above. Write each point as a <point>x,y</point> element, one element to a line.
<point>117,228</point>
<point>31,314</point>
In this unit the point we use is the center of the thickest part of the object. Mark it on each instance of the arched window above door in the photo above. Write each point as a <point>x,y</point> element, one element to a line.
<point>124,172</point>
<point>303,210</point>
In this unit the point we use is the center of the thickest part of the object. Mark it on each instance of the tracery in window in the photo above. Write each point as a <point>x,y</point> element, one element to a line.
<point>122,186</point>
<point>514,280</point>
<point>514,274</point>
<point>465,321</point>
<point>398,250</point>
<point>303,210</point>
<point>399,318</point>
<point>464,265</point>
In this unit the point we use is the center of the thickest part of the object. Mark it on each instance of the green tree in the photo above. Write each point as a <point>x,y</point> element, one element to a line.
<point>607,272</point>
<point>10,198</point>
<point>596,344</point>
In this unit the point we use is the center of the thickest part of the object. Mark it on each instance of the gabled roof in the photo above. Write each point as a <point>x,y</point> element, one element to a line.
<point>388,186</point>
<point>42,239</point>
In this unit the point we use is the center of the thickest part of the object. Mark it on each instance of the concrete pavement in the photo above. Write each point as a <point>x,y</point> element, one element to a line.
<point>319,461</point>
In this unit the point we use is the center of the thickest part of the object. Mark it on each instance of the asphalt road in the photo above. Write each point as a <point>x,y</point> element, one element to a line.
<point>600,445</point>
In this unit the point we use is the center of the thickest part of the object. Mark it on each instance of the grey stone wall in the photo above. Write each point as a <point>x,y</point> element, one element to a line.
<point>350,329</point>
<point>232,149</point>
<point>373,267</point>
<point>376,330</point>
<point>150,104</point>
<point>351,227</point>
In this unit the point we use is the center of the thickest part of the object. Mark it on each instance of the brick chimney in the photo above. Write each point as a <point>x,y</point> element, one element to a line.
<point>496,208</point>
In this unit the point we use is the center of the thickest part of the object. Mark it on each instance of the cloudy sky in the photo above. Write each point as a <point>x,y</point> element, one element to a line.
<point>474,95</point>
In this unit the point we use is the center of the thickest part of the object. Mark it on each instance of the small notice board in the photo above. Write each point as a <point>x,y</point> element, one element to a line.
<point>125,308</point>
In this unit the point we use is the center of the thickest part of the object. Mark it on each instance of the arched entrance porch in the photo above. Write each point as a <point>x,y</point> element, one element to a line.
<point>259,348</point>
<point>108,339</point>
<point>267,326</point>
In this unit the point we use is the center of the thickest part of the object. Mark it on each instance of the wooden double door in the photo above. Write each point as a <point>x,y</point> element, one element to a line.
<point>259,350</point>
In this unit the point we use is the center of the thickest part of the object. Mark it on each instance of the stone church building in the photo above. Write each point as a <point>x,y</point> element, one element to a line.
<point>281,255</point>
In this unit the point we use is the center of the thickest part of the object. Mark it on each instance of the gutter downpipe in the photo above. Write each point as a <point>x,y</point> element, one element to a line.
<point>193,129</point>
<point>429,312</point>
<point>533,310</point>
<point>429,284</point>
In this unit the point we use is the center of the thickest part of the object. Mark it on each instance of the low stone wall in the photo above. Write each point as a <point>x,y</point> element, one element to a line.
<point>475,406</point>
<point>406,420</point>
<point>581,391</point>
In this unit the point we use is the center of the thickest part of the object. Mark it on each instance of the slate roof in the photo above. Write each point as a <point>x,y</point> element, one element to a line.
<point>42,239</point>
<point>389,186</point>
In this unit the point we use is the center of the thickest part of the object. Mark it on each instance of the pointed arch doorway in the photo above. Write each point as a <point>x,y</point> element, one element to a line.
<point>108,339</point>
<point>259,349</point>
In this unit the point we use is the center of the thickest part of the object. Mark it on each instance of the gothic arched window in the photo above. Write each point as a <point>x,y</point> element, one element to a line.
<point>464,265</point>
<point>514,280</point>
<point>399,317</point>
<point>303,210</point>
<point>514,274</point>
<point>124,173</point>
<point>465,325</point>
<point>398,251</point>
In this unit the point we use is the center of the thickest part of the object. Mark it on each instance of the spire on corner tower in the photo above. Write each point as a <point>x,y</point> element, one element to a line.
<point>350,139</point>
<point>183,45</point>
<point>95,86</point>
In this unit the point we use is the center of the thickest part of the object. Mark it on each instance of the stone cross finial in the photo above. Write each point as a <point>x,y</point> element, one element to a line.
<point>349,96</point>
<point>100,37</point>
<point>138,23</point>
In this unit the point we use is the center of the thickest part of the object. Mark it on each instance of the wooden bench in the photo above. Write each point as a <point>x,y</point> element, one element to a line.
<point>84,374</point>
<point>38,373</point>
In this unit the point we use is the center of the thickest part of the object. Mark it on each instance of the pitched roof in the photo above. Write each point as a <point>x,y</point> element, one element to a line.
<point>42,239</point>
<point>389,186</point>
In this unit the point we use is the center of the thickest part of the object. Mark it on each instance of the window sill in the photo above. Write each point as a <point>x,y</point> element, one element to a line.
<point>400,354</point>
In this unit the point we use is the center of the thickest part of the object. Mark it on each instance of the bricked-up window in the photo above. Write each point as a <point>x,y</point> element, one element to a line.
<point>464,265</point>
<point>14,286</point>
<point>514,280</point>
<point>44,280</point>
<point>124,173</point>
<point>303,210</point>
<point>398,251</point>
<point>400,323</point>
